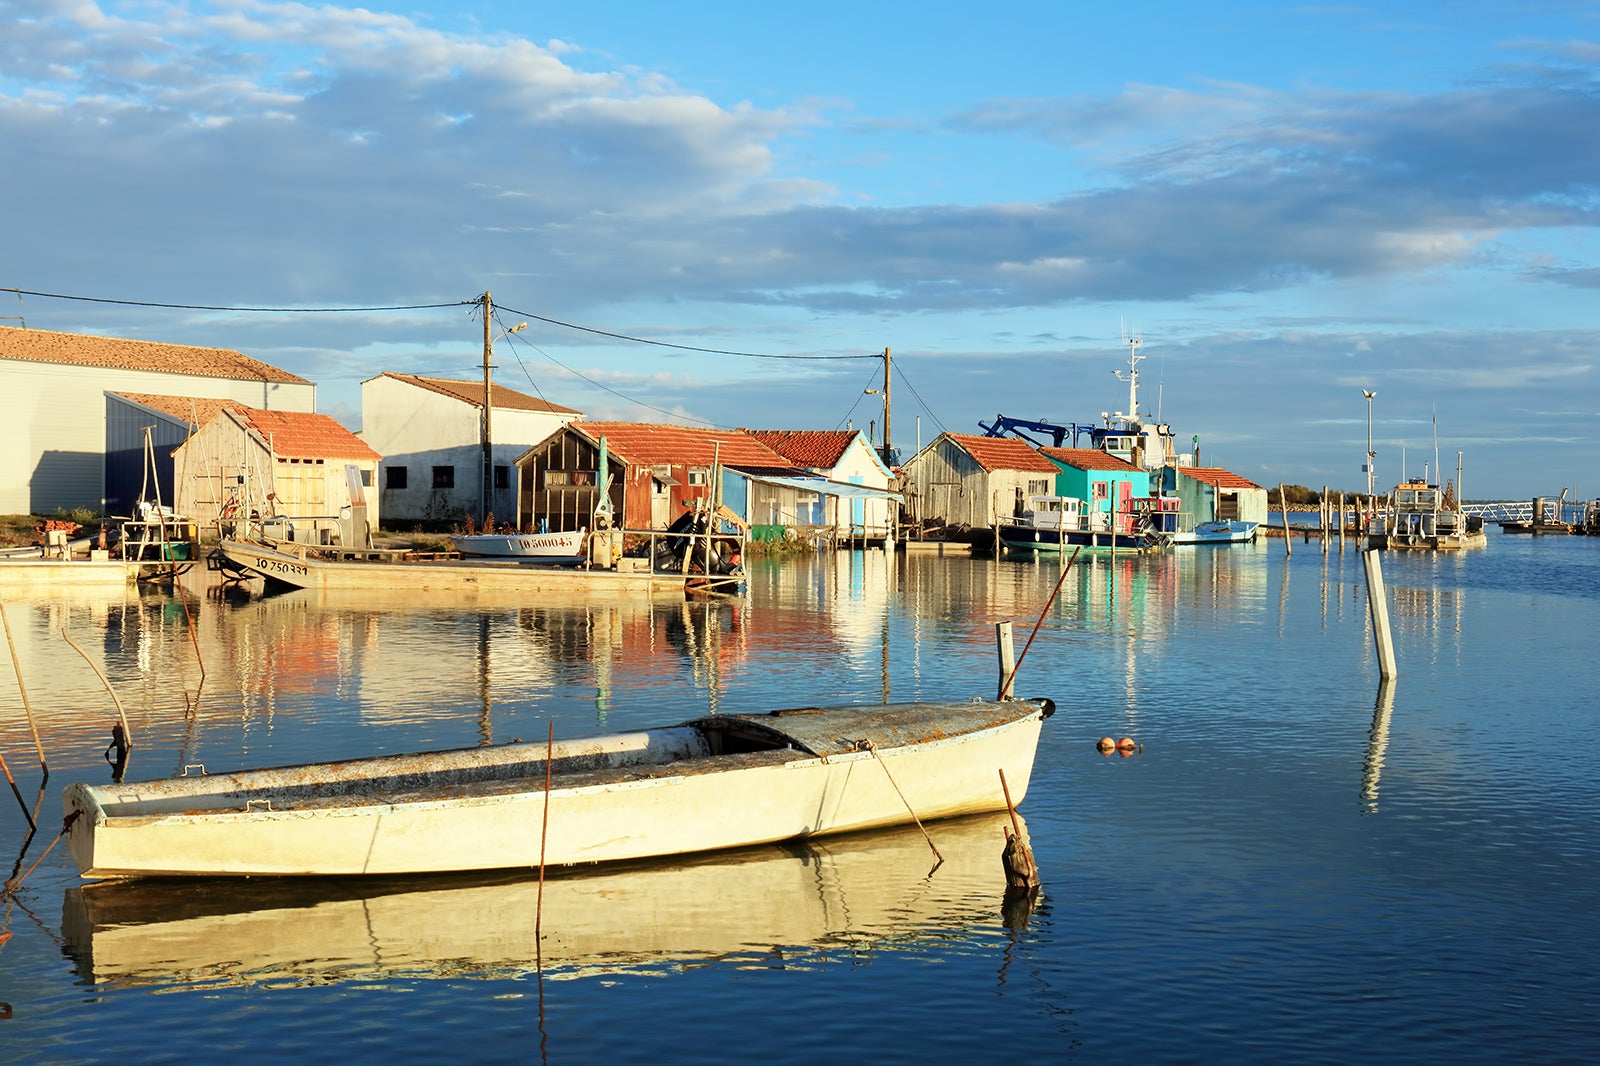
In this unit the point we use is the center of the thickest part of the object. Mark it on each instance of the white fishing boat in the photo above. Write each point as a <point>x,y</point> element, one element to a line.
<point>725,781</point>
<point>1421,516</point>
<point>1218,531</point>
<point>564,548</point>
<point>1063,523</point>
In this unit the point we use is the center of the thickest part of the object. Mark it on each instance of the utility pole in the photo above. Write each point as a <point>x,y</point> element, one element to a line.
<point>888,452</point>
<point>488,398</point>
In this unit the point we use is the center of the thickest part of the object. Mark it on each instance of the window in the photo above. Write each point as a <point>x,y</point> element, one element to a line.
<point>697,477</point>
<point>444,477</point>
<point>502,477</point>
<point>1038,488</point>
<point>366,477</point>
<point>554,479</point>
<point>1099,490</point>
<point>394,477</point>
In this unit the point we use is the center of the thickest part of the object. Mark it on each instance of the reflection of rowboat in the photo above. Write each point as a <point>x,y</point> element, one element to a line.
<point>551,548</point>
<point>865,890</point>
<point>725,781</point>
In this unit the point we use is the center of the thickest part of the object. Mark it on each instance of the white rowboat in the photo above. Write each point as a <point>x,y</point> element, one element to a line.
<point>725,781</point>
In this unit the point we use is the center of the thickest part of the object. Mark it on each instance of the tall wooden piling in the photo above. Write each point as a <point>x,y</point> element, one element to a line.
<point>1008,659</point>
<point>1378,607</point>
<point>1283,505</point>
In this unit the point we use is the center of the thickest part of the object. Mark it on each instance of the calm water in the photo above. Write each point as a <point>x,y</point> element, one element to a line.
<point>1300,863</point>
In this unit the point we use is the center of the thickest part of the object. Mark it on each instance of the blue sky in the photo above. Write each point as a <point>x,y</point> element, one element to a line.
<point>1287,204</point>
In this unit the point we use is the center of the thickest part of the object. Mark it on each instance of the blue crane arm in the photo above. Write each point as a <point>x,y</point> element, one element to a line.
<point>1021,427</point>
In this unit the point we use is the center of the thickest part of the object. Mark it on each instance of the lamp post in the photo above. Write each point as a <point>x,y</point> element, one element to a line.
<point>1369,394</point>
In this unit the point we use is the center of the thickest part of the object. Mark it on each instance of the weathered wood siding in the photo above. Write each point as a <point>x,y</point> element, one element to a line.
<point>944,482</point>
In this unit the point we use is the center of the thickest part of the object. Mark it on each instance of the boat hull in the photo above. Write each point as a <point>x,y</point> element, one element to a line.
<point>303,569</point>
<point>552,549</point>
<point>1422,542</point>
<point>1222,531</point>
<point>1025,539</point>
<point>631,796</point>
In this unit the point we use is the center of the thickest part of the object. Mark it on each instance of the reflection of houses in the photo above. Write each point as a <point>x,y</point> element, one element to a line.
<point>965,480</point>
<point>288,463</point>
<point>430,434</point>
<point>57,436</point>
<point>1102,481</point>
<point>845,457</point>
<point>1210,493</point>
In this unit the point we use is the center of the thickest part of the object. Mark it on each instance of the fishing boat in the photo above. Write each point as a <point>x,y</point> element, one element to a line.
<point>1061,523</point>
<point>1218,531</point>
<point>561,549</point>
<point>723,781</point>
<point>1423,517</point>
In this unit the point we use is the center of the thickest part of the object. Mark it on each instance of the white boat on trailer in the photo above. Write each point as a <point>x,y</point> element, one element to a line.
<point>723,781</point>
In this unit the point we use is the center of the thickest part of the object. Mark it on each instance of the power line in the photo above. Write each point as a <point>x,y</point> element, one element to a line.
<point>212,307</point>
<point>669,344</point>
<point>599,385</point>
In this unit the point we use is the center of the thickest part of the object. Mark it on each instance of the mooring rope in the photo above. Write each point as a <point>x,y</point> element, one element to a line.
<point>870,746</point>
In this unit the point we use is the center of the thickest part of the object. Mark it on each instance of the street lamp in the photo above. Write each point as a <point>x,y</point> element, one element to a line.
<point>1369,394</point>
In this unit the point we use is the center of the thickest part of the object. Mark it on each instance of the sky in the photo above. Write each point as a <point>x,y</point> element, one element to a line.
<point>723,214</point>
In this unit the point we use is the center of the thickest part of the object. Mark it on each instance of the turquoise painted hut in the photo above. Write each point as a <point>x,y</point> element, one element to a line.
<point>1103,482</point>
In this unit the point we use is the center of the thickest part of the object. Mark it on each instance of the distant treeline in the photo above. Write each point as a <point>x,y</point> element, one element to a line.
<point>1300,496</point>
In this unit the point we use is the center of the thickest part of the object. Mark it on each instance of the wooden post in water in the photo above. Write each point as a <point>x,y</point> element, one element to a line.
<point>1323,508</point>
<point>1283,505</point>
<point>1341,523</point>
<point>1378,607</point>
<point>1008,660</point>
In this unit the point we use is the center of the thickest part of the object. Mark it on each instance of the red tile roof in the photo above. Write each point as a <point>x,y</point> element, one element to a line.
<point>1215,475</point>
<point>1089,459</point>
<point>301,435</point>
<point>819,448</point>
<point>194,410</point>
<point>1002,453</point>
<point>294,434</point>
<point>471,392</point>
<point>646,444</point>
<point>81,349</point>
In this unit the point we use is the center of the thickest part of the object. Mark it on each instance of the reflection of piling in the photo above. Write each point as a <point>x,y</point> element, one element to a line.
<point>1378,607</point>
<point>1377,744</point>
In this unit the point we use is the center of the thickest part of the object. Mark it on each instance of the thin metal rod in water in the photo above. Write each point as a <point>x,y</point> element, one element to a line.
<point>18,793</point>
<point>1006,683</point>
<point>127,734</point>
<point>27,709</point>
<point>544,833</point>
<point>874,749</point>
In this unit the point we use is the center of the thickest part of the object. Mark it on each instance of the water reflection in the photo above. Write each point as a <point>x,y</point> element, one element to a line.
<point>1377,745</point>
<point>790,906</point>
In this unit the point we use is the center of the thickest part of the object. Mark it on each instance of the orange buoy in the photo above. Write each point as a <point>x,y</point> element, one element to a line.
<point>1125,744</point>
<point>1106,745</point>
